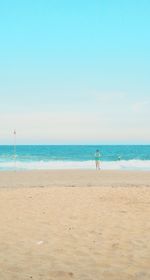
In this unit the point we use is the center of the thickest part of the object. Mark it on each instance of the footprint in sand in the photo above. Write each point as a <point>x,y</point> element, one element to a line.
<point>62,275</point>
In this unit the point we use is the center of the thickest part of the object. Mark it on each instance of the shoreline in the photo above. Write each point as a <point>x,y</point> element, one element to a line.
<point>74,178</point>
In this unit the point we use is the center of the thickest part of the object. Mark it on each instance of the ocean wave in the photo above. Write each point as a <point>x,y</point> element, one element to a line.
<point>105,165</point>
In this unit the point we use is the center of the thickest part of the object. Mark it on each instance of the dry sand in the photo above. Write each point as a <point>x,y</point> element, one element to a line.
<point>83,225</point>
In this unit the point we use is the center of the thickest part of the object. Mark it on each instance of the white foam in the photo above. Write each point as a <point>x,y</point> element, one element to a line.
<point>105,165</point>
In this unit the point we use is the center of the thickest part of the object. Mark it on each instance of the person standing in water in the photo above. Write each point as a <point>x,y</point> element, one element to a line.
<point>97,159</point>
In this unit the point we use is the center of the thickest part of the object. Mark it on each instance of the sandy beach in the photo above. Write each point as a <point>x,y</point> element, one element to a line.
<point>74,224</point>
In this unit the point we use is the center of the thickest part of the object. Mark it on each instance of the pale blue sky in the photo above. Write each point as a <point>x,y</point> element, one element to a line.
<point>75,71</point>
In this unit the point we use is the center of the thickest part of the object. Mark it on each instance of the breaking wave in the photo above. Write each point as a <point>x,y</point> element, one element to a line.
<point>133,164</point>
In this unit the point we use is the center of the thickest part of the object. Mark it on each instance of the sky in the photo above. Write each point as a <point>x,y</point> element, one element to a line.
<point>75,72</point>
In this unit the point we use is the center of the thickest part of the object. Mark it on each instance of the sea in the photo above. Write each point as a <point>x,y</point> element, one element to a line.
<point>38,157</point>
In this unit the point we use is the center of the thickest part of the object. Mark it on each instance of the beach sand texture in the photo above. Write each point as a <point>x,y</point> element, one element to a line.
<point>83,225</point>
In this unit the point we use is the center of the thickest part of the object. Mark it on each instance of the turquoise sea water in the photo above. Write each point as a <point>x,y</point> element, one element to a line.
<point>74,156</point>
